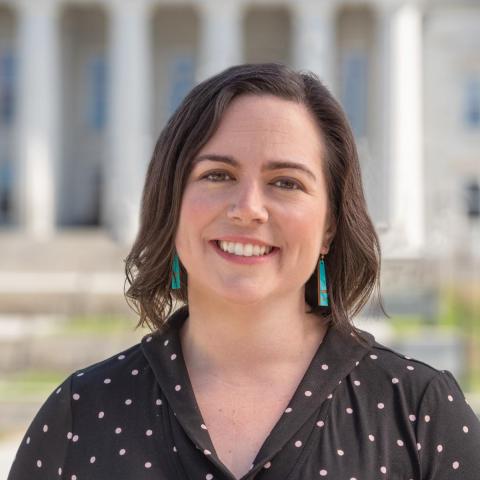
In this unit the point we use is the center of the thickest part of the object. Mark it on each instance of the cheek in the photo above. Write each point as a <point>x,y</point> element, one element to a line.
<point>303,230</point>
<point>197,205</point>
<point>305,218</point>
<point>197,211</point>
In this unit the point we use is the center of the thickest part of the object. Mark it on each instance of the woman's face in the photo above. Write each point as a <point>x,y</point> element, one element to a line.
<point>258,180</point>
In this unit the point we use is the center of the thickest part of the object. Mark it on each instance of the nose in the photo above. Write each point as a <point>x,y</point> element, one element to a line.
<point>248,204</point>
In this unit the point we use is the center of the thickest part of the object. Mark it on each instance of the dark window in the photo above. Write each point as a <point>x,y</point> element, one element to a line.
<point>7,83</point>
<point>181,79</point>
<point>355,90</point>
<point>97,92</point>
<point>472,102</point>
<point>472,190</point>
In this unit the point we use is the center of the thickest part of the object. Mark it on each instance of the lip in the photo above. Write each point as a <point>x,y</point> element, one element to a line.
<point>236,238</point>
<point>244,260</point>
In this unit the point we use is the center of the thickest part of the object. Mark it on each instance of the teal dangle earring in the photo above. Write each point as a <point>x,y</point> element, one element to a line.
<point>322,283</point>
<point>176,273</point>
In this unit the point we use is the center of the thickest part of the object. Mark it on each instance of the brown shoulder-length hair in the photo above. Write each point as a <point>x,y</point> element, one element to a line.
<point>353,261</point>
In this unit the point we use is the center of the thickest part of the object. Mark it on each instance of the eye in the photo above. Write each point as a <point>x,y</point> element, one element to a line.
<point>216,176</point>
<point>291,184</point>
<point>221,176</point>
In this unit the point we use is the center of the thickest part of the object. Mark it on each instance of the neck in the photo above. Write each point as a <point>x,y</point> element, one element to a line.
<point>239,342</point>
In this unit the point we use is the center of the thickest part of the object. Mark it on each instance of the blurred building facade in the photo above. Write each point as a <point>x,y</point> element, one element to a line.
<point>86,86</point>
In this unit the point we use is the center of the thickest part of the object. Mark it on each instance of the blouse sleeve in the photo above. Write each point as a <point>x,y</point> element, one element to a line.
<point>43,450</point>
<point>448,432</point>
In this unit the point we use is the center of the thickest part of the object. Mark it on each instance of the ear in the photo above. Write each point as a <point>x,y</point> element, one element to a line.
<point>328,236</point>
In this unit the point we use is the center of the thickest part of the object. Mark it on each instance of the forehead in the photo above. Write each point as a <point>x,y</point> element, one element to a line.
<point>268,124</point>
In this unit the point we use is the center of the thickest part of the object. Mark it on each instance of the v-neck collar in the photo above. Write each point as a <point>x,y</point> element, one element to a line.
<point>335,358</point>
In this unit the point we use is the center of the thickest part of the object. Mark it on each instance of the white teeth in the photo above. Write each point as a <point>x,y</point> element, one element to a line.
<point>245,250</point>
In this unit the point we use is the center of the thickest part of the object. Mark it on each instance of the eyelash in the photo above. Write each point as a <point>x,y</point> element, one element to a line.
<point>298,184</point>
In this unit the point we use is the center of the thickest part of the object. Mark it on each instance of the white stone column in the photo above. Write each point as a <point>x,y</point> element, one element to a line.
<point>314,37</point>
<point>402,31</point>
<point>129,136</point>
<point>221,36</point>
<point>38,108</point>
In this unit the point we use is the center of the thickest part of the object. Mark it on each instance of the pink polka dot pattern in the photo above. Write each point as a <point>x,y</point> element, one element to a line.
<point>136,414</point>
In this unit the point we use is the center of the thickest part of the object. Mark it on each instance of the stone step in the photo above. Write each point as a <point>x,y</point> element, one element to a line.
<point>60,343</point>
<point>76,271</point>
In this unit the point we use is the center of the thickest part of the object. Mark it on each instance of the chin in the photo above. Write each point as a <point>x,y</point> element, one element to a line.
<point>239,295</point>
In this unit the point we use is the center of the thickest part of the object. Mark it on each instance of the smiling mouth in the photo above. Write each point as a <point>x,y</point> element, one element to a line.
<point>244,250</point>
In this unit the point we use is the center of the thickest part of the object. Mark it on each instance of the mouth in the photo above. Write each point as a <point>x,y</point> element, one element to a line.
<point>244,249</point>
<point>247,255</point>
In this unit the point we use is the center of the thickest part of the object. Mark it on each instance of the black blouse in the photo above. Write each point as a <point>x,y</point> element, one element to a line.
<point>361,412</point>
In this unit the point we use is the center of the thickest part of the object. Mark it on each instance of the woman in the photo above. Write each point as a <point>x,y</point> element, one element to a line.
<point>253,215</point>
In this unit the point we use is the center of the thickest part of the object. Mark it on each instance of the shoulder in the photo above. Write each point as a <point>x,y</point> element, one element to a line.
<point>116,364</point>
<point>121,372</point>
<point>410,389</point>
<point>124,381</point>
<point>383,367</point>
<point>424,404</point>
<point>390,361</point>
<point>101,390</point>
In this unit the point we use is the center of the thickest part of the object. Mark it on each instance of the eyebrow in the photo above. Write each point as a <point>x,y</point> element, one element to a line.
<point>272,165</point>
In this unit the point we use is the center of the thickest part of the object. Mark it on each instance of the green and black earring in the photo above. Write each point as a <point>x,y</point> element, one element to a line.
<point>176,273</point>
<point>322,283</point>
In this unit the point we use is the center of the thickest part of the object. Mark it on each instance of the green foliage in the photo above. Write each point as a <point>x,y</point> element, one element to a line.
<point>407,325</point>
<point>29,385</point>
<point>459,314</point>
<point>460,309</point>
<point>96,325</point>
